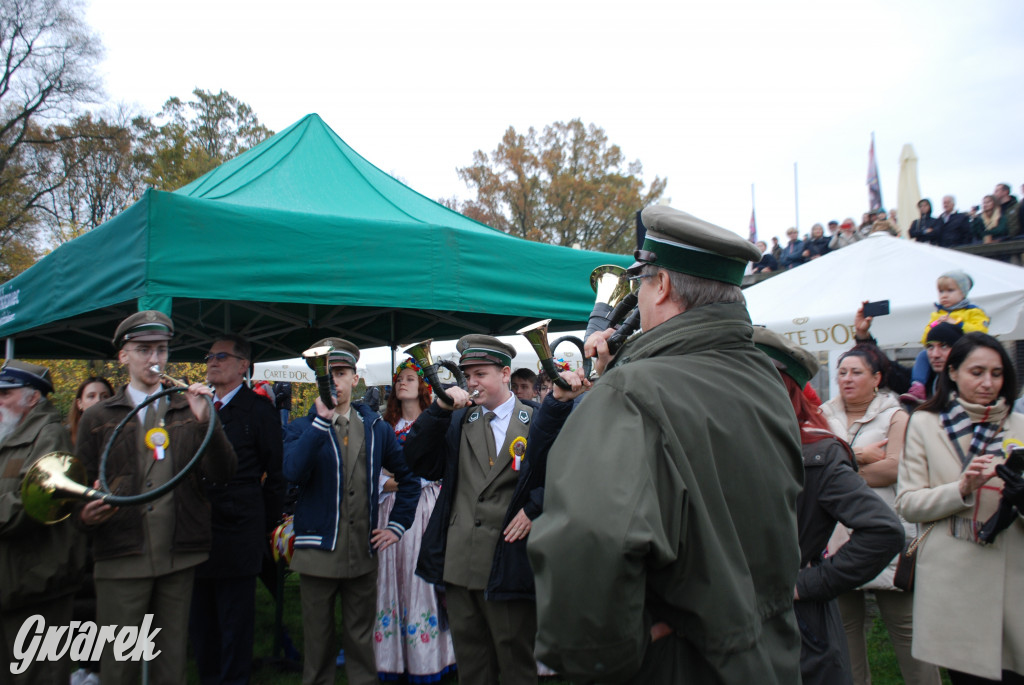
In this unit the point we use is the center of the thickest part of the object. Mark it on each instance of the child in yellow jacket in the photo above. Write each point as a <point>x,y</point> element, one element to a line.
<point>953,307</point>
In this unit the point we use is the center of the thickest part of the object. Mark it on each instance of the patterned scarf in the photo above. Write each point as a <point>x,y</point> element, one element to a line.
<point>958,424</point>
<point>984,433</point>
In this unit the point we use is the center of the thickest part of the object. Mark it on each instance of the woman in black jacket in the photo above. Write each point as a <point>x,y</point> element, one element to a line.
<point>833,492</point>
<point>925,229</point>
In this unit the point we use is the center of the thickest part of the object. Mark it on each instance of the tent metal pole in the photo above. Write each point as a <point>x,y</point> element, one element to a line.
<point>9,352</point>
<point>394,344</point>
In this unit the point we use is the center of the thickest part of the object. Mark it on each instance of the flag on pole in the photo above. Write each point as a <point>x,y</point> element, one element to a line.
<point>753,226</point>
<point>874,188</point>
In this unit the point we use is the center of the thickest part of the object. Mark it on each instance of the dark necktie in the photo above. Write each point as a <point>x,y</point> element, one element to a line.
<point>492,451</point>
<point>217,405</point>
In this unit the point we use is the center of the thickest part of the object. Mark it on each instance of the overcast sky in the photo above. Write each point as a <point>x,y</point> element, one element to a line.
<point>712,95</point>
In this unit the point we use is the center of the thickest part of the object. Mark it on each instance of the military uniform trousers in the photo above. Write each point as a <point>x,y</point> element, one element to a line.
<point>492,638</point>
<point>125,602</point>
<point>358,613</point>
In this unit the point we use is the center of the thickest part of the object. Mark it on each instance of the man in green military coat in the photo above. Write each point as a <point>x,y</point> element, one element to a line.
<point>667,551</point>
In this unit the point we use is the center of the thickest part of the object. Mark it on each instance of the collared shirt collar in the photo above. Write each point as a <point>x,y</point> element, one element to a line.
<point>227,398</point>
<point>504,410</point>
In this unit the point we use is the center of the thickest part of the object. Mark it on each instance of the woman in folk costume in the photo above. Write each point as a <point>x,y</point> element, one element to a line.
<point>410,636</point>
<point>969,585</point>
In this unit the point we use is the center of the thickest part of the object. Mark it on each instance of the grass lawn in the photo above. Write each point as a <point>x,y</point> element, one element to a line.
<point>884,668</point>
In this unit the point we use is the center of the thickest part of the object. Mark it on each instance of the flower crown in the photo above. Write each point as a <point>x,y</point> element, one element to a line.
<point>408,363</point>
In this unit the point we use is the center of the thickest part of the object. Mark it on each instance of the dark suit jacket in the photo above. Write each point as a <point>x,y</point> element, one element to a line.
<point>244,511</point>
<point>955,231</point>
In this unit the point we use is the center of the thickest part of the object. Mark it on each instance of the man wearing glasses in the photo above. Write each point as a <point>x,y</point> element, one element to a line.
<point>146,555</point>
<point>244,513</point>
<point>667,551</point>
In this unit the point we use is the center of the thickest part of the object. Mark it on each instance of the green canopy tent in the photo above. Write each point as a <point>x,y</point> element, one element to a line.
<point>297,239</point>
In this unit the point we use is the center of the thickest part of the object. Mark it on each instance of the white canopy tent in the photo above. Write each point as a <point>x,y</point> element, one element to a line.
<point>815,303</point>
<point>375,366</point>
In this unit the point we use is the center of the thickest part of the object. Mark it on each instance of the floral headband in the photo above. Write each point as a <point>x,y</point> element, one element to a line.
<point>408,363</point>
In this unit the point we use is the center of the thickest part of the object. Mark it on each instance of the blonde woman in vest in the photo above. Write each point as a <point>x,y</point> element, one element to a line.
<point>868,416</point>
<point>970,567</point>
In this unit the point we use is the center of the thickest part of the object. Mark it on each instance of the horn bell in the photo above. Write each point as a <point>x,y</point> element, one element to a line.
<point>537,334</point>
<point>608,284</point>
<point>52,485</point>
<point>420,353</point>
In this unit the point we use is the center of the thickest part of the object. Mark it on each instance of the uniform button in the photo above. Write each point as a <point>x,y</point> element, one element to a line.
<point>150,507</point>
<point>351,522</point>
<point>351,493</point>
<point>477,523</point>
<point>149,483</point>
<point>480,498</point>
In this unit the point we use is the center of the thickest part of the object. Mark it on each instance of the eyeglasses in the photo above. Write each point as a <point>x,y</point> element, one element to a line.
<point>636,279</point>
<point>220,356</point>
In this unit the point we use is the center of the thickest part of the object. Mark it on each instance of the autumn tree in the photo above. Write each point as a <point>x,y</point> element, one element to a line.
<point>101,169</point>
<point>48,57</point>
<point>566,186</point>
<point>189,138</point>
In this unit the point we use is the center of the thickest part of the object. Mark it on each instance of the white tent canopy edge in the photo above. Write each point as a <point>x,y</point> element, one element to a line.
<point>814,304</point>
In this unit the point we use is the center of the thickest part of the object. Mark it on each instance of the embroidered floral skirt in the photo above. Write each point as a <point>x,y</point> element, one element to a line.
<point>407,636</point>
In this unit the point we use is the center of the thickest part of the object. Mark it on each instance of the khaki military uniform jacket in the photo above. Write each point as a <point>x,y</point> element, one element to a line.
<point>123,534</point>
<point>671,496</point>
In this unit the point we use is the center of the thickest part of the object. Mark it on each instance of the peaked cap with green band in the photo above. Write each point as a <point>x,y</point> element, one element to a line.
<point>798,363</point>
<point>343,354</point>
<point>145,326</point>
<point>484,349</point>
<point>681,242</point>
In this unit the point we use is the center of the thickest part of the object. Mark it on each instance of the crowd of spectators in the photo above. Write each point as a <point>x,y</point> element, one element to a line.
<point>996,219</point>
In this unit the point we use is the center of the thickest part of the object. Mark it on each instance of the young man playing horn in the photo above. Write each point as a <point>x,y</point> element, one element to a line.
<point>335,457</point>
<point>40,565</point>
<point>146,555</point>
<point>475,543</point>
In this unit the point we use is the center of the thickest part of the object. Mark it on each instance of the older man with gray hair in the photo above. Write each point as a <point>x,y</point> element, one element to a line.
<point>667,551</point>
<point>40,565</point>
<point>954,226</point>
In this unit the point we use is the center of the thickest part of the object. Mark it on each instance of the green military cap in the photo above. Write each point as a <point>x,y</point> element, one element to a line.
<point>19,374</point>
<point>146,326</point>
<point>681,242</point>
<point>343,354</point>
<point>798,363</point>
<point>484,349</point>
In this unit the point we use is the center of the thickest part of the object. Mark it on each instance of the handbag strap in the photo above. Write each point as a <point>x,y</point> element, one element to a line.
<point>912,547</point>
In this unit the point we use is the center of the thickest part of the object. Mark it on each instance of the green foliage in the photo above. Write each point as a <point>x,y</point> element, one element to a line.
<point>567,186</point>
<point>187,139</point>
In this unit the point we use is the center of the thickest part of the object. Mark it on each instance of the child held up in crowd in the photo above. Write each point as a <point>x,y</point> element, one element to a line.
<point>953,307</point>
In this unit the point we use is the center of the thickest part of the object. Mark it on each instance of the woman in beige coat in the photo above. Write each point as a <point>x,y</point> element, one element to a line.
<point>868,416</point>
<point>968,595</point>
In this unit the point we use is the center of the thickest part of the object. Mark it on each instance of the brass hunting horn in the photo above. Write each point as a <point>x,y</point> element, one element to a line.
<point>614,300</point>
<point>420,353</point>
<point>318,359</point>
<point>537,334</point>
<point>57,480</point>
